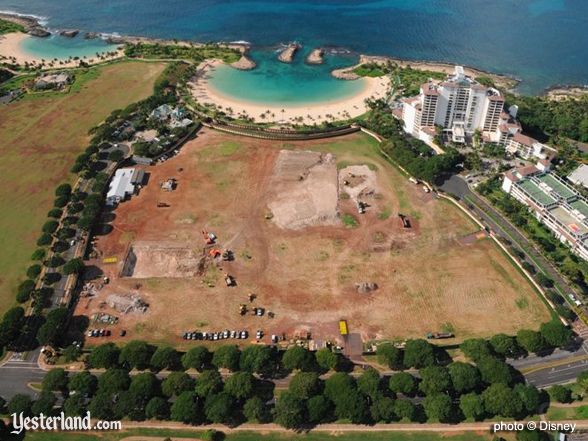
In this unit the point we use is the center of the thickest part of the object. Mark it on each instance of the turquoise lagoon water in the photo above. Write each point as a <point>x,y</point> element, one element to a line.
<point>276,83</point>
<point>543,42</point>
<point>62,47</point>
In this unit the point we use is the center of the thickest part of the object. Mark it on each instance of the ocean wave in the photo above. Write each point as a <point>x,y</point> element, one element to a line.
<point>41,19</point>
<point>243,42</point>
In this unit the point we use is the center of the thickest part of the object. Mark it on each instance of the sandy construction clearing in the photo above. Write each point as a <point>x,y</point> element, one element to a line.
<point>304,190</point>
<point>429,277</point>
<point>157,259</point>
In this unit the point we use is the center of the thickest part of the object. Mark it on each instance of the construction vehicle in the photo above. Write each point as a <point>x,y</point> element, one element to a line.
<point>405,220</point>
<point>229,280</point>
<point>439,335</point>
<point>110,260</point>
<point>343,327</point>
<point>209,238</point>
<point>169,185</point>
<point>214,253</point>
<point>242,309</point>
<point>228,256</point>
<point>361,207</point>
<point>252,297</point>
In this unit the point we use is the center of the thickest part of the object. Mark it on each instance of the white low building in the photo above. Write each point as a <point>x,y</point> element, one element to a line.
<point>123,185</point>
<point>554,203</point>
<point>580,176</point>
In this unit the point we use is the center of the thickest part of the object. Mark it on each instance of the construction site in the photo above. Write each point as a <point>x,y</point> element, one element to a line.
<point>286,240</point>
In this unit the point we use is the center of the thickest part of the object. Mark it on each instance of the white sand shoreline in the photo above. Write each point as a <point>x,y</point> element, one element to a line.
<point>348,107</point>
<point>11,50</point>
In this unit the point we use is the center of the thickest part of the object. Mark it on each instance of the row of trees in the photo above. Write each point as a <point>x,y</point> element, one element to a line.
<point>260,359</point>
<point>411,153</point>
<point>78,210</point>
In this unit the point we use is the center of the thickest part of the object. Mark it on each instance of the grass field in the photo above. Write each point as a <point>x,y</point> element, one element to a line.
<point>40,137</point>
<point>159,435</point>
<point>443,270</point>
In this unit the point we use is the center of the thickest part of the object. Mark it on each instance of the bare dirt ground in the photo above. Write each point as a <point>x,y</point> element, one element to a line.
<point>434,276</point>
<point>304,187</point>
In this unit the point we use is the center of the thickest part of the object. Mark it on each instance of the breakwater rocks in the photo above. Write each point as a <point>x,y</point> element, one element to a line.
<point>346,73</point>
<point>244,63</point>
<point>31,24</point>
<point>287,55</point>
<point>316,56</point>
<point>69,33</point>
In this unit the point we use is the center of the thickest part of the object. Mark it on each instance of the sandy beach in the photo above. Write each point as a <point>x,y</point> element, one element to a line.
<point>312,113</point>
<point>11,50</point>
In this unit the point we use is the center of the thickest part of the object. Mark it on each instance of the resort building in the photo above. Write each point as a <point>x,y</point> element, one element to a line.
<point>461,107</point>
<point>174,116</point>
<point>123,185</point>
<point>554,203</point>
<point>54,81</point>
<point>527,147</point>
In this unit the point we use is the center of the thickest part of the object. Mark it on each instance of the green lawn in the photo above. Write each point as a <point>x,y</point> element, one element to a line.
<point>254,436</point>
<point>41,135</point>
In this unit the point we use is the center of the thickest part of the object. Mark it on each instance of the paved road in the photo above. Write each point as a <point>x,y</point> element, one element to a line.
<point>562,374</point>
<point>459,187</point>
<point>16,374</point>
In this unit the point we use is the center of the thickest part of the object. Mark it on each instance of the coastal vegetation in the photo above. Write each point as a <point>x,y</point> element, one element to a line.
<point>369,70</point>
<point>195,53</point>
<point>8,27</point>
<point>545,118</point>
<point>406,80</point>
<point>36,160</point>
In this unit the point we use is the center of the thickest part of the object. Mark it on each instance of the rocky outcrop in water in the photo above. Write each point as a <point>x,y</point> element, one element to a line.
<point>39,32</point>
<point>116,40</point>
<point>31,24</point>
<point>287,55</point>
<point>69,33</point>
<point>316,56</point>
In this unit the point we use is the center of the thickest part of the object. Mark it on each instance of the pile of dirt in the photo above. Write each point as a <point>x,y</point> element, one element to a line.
<point>359,182</point>
<point>304,190</point>
<point>156,259</point>
<point>366,287</point>
<point>127,303</point>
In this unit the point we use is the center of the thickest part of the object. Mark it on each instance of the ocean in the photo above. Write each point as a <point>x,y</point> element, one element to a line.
<point>542,42</point>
